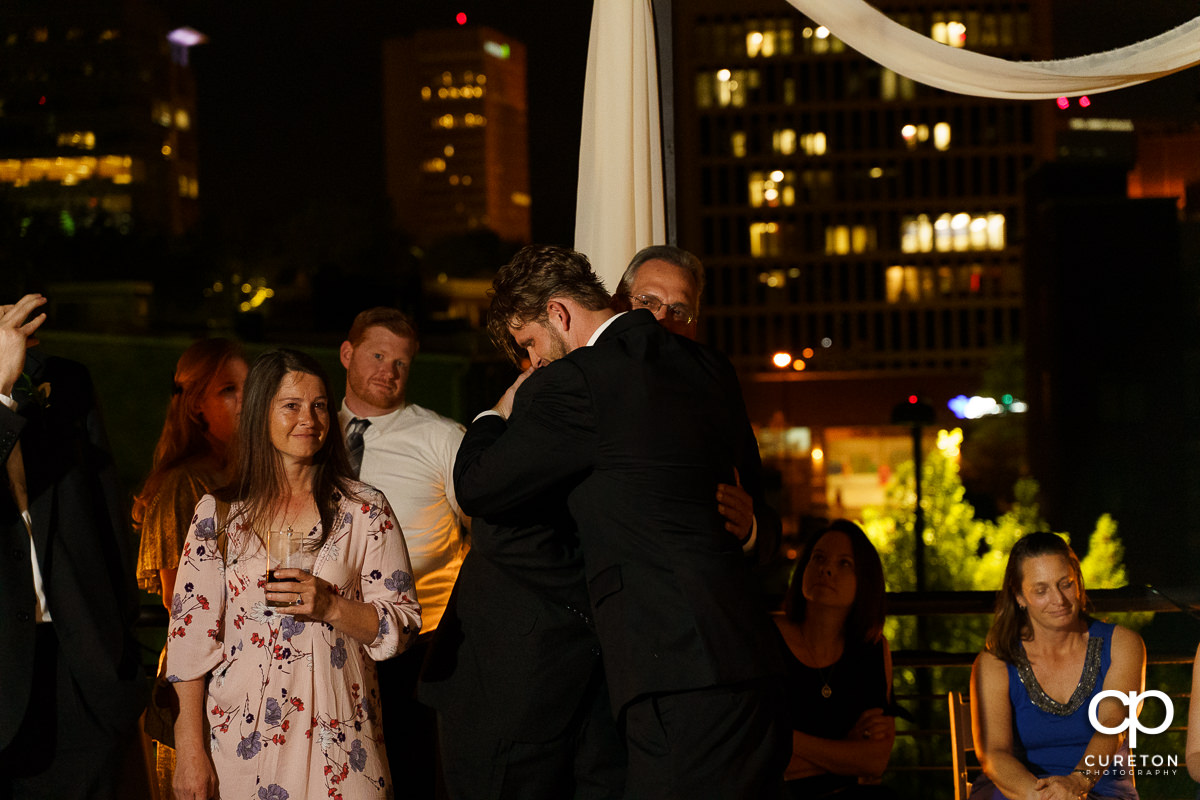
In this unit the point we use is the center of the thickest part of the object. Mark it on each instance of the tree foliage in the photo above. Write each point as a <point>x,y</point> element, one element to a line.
<point>963,553</point>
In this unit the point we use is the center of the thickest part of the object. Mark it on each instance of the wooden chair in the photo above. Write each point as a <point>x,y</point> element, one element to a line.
<point>961,742</point>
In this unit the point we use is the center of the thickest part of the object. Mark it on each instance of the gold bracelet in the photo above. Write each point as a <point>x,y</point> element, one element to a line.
<point>1088,780</point>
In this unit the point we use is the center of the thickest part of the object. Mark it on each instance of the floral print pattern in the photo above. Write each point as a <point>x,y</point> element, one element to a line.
<point>293,704</point>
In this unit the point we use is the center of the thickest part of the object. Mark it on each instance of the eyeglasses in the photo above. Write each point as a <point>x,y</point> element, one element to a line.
<point>678,312</point>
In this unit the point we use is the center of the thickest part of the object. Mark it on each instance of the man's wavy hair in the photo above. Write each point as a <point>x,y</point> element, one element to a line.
<point>524,286</point>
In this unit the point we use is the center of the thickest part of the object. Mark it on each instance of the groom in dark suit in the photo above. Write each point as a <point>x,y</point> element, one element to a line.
<point>71,686</point>
<point>638,426</point>
<point>514,668</point>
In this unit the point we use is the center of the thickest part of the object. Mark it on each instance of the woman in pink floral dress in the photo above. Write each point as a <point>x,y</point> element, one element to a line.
<point>282,703</point>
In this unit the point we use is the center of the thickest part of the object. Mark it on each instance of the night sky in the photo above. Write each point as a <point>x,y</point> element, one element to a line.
<point>290,110</point>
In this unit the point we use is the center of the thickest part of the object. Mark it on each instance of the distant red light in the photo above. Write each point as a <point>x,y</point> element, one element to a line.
<point>461,18</point>
<point>1083,101</point>
<point>912,399</point>
<point>42,100</point>
<point>1063,102</point>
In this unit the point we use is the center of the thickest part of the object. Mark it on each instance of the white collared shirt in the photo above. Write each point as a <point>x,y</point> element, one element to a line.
<point>409,456</point>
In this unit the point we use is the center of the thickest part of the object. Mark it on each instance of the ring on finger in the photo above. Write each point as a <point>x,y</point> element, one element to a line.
<point>296,602</point>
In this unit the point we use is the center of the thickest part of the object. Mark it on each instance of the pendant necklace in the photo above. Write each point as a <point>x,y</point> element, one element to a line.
<point>826,691</point>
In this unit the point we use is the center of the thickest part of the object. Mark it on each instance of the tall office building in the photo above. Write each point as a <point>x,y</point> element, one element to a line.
<point>867,226</point>
<point>456,139</point>
<point>97,120</point>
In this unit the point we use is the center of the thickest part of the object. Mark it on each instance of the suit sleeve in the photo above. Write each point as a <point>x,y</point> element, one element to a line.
<point>549,438</point>
<point>769,527</point>
<point>11,424</point>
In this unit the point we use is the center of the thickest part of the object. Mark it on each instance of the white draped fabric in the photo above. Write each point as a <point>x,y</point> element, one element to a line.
<point>918,57</point>
<point>619,208</point>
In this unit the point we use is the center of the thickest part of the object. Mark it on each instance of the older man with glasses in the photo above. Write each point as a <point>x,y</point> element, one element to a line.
<point>668,282</point>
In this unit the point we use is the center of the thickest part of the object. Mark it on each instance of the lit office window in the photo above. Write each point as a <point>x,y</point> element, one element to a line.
<point>813,144</point>
<point>950,32</point>
<point>903,284</point>
<point>842,240</point>
<point>909,284</point>
<point>83,140</point>
<point>737,144</point>
<point>66,170</point>
<point>941,136</point>
<point>893,86</point>
<point>426,93</point>
<point>758,44</point>
<point>819,40</point>
<point>914,135</point>
<point>183,120</point>
<point>783,141</point>
<point>960,232</point>
<point>916,234</point>
<point>725,88</point>
<point>995,232</point>
<point>40,35</point>
<point>765,239</point>
<point>774,278</point>
<point>772,38</point>
<point>772,189</point>
<point>433,165</point>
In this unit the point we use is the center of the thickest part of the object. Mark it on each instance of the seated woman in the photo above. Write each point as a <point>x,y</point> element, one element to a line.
<point>1030,689</point>
<point>839,668</point>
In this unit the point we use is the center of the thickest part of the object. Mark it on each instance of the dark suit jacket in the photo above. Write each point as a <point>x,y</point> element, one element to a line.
<point>84,550</point>
<point>644,425</point>
<point>514,653</point>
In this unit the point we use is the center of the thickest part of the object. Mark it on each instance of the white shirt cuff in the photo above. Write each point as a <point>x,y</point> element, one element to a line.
<point>8,401</point>
<point>752,539</point>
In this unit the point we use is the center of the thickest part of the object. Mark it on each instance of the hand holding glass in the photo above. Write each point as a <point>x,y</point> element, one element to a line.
<point>286,550</point>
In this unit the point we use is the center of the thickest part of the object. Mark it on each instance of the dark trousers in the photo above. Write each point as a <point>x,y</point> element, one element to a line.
<point>409,728</point>
<point>586,762</point>
<point>61,752</point>
<point>719,743</point>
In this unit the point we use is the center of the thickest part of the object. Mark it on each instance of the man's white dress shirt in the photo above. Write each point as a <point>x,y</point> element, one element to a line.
<point>409,456</point>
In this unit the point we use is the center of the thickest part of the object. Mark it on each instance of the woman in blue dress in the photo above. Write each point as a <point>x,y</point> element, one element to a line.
<point>1032,687</point>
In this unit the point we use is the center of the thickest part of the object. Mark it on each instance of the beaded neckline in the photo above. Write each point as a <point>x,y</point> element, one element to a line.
<point>1087,681</point>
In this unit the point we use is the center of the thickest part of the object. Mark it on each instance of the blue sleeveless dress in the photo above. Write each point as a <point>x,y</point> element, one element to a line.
<point>1050,737</point>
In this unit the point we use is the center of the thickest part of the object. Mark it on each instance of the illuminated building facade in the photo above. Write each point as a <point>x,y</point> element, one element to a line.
<point>456,134</point>
<point>866,225</point>
<point>97,120</point>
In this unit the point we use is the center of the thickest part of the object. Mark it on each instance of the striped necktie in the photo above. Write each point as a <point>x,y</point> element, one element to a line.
<point>354,443</point>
